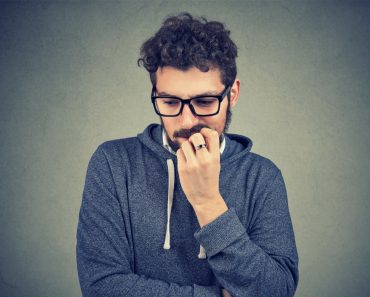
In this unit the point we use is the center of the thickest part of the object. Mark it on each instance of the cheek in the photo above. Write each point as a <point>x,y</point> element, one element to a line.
<point>223,106</point>
<point>169,125</point>
<point>216,122</point>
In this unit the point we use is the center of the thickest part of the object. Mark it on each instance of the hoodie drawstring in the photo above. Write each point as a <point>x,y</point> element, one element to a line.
<point>171,184</point>
<point>202,253</point>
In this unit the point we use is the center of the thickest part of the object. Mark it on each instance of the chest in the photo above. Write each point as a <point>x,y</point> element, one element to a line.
<point>147,198</point>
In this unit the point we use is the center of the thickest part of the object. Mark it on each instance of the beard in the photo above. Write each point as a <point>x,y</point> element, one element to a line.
<point>186,133</point>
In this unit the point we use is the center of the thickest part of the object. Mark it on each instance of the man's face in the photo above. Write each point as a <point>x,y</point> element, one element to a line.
<point>187,84</point>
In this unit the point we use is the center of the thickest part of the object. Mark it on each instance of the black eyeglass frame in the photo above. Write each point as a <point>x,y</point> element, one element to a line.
<point>188,102</point>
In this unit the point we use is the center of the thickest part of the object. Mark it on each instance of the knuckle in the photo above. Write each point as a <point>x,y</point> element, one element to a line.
<point>195,137</point>
<point>214,133</point>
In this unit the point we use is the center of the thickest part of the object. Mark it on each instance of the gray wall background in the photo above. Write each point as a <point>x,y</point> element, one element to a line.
<point>69,81</point>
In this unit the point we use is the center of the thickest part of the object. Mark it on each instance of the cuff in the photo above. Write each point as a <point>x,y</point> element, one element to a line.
<point>220,233</point>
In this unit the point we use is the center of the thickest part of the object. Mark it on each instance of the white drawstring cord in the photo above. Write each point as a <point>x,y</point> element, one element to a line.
<point>171,183</point>
<point>202,253</point>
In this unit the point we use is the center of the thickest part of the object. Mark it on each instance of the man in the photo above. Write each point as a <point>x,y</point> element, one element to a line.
<point>185,209</point>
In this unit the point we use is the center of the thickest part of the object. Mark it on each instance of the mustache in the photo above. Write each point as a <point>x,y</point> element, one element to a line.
<point>186,133</point>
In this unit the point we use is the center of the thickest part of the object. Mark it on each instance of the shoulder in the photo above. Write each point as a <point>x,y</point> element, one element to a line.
<point>114,152</point>
<point>261,169</point>
<point>118,146</point>
<point>263,163</point>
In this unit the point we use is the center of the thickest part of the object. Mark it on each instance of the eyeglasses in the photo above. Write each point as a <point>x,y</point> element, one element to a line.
<point>171,106</point>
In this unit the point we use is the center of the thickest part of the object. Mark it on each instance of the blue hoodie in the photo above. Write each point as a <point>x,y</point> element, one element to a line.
<point>138,235</point>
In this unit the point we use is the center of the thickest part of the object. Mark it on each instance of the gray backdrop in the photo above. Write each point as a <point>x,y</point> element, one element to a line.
<point>69,81</point>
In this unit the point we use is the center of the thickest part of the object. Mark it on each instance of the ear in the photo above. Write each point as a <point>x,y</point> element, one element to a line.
<point>235,88</point>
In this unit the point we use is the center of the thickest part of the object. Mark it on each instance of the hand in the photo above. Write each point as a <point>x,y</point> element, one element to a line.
<point>225,293</point>
<point>199,171</point>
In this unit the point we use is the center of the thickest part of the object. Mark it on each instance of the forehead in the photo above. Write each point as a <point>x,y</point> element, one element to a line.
<point>188,82</point>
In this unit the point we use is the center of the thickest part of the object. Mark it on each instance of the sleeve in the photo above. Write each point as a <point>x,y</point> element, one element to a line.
<point>104,260</point>
<point>262,262</point>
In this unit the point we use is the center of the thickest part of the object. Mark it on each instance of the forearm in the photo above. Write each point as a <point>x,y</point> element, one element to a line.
<point>104,270</point>
<point>260,272</point>
<point>241,266</point>
<point>135,285</point>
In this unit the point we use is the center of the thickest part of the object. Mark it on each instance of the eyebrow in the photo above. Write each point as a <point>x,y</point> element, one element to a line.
<point>214,93</point>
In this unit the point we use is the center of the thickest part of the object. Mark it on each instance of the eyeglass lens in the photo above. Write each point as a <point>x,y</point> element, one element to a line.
<point>202,106</point>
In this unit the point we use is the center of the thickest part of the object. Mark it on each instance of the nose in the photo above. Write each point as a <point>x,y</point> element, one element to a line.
<point>187,118</point>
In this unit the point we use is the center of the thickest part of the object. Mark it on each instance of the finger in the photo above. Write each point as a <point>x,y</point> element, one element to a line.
<point>212,139</point>
<point>198,139</point>
<point>189,152</point>
<point>181,160</point>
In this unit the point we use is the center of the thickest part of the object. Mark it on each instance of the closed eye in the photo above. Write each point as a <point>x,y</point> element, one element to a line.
<point>205,101</point>
<point>171,102</point>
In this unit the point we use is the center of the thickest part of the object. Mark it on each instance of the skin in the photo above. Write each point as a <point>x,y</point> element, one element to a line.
<point>199,170</point>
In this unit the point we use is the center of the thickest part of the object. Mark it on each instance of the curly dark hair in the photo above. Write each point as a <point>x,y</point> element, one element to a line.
<point>184,41</point>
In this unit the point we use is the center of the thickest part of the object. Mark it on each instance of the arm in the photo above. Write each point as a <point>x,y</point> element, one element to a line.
<point>103,251</point>
<point>262,262</point>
